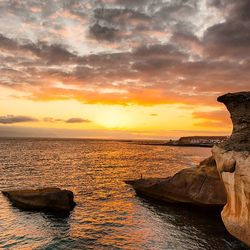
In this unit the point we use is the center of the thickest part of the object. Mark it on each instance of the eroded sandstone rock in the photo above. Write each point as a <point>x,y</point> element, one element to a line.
<point>238,105</point>
<point>233,163</point>
<point>46,199</point>
<point>199,185</point>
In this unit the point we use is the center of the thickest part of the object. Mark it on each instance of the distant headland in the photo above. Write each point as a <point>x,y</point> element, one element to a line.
<point>185,141</point>
<point>197,141</point>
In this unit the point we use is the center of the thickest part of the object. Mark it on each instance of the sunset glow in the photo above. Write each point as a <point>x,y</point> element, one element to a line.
<point>120,69</point>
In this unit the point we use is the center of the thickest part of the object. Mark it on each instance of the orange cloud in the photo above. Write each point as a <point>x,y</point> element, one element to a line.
<point>133,96</point>
<point>217,118</point>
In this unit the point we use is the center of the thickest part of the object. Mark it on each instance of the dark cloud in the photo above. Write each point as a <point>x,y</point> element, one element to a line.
<point>159,68</point>
<point>11,119</point>
<point>119,16</point>
<point>230,39</point>
<point>6,43</point>
<point>160,51</point>
<point>77,120</point>
<point>54,53</point>
<point>70,120</point>
<point>122,52</point>
<point>241,11</point>
<point>51,119</point>
<point>100,32</point>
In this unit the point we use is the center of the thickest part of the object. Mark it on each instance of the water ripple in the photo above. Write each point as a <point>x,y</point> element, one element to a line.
<point>108,215</point>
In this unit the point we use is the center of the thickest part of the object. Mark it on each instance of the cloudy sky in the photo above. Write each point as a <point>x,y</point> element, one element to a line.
<point>121,68</point>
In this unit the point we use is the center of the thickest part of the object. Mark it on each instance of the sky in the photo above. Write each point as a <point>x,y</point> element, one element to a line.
<point>143,69</point>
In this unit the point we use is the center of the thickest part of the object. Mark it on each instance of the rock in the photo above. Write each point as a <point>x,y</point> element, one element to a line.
<point>238,105</point>
<point>233,163</point>
<point>197,185</point>
<point>46,199</point>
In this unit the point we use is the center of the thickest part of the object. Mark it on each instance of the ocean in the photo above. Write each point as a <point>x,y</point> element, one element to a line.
<point>108,214</point>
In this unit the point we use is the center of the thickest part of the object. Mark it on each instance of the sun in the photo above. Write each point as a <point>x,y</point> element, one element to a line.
<point>115,119</point>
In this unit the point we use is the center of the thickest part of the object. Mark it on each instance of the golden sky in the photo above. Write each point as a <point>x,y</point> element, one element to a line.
<point>121,68</point>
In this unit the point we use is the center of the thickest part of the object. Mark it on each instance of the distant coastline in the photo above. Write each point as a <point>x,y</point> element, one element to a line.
<point>197,141</point>
<point>186,141</point>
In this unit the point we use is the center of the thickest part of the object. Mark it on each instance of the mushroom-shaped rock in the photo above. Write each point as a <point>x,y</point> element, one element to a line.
<point>46,199</point>
<point>199,185</point>
<point>238,105</point>
<point>233,163</point>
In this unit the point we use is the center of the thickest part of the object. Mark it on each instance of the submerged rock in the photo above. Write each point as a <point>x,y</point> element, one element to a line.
<point>46,199</point>
<point>197,185</point>
<point>233,163</point>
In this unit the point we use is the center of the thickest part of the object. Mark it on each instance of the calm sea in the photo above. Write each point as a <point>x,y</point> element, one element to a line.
<point>108,215</point>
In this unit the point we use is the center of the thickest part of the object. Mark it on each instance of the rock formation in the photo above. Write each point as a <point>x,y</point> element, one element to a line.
<point>233,163</point>
<point>199,185</point>
<point>46,199</point>
<point>204,185</point>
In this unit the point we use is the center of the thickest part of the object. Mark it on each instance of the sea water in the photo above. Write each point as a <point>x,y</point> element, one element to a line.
<point>108,214</point>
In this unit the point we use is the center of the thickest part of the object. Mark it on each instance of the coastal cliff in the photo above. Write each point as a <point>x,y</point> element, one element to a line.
<point>233,163</point>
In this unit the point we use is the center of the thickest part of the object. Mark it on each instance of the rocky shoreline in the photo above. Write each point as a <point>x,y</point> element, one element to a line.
<point>199,185</point>
<point>222,179</point>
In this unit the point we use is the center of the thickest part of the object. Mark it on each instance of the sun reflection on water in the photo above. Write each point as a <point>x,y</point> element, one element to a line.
<point>107,215</point>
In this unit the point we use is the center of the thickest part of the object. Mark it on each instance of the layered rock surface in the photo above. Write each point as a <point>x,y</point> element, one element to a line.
<point>199,185</point>
<point>233,163</point>
<point>46,199</point>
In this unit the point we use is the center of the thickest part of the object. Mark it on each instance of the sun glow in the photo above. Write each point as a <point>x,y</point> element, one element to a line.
<point>115,119</point>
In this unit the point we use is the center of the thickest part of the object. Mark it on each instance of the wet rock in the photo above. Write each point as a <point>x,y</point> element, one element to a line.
<point>199,185</point>
<point>46,199</point>
<point>233,163</point>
